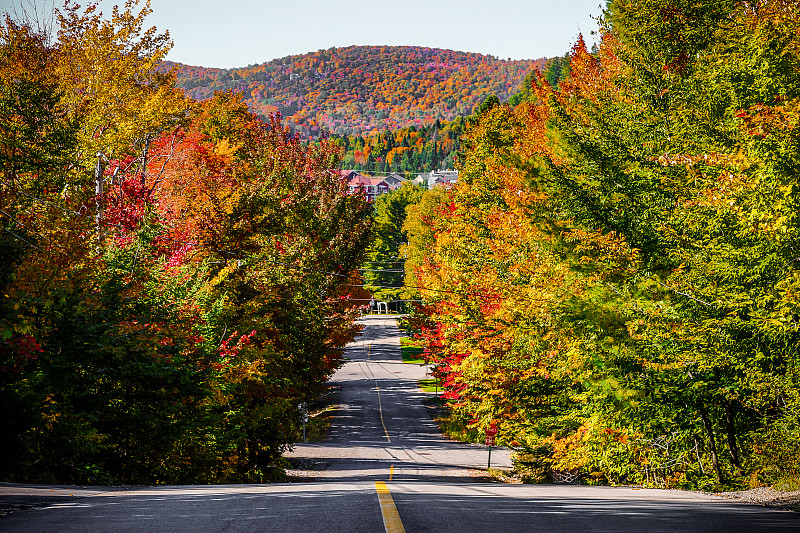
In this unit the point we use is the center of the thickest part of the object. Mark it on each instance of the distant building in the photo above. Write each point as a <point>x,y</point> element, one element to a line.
<point>356,181</point>
<point>444,178</point>
<point>348,174</point>
<point>394,180</point>
<point>373,186</point>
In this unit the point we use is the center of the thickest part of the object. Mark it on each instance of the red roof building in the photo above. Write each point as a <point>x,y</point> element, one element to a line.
<point>373,187</point>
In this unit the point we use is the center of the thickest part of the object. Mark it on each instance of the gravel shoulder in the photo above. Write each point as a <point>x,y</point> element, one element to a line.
<point>766,496</point>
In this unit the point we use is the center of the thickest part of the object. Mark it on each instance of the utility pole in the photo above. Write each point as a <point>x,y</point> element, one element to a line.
<point>303,408</point>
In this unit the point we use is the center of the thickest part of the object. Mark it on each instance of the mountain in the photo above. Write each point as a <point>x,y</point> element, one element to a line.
<point>363,89</point>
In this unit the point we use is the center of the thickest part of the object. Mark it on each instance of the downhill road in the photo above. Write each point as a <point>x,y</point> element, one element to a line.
<point>382,427</point>
<point>384,467</point>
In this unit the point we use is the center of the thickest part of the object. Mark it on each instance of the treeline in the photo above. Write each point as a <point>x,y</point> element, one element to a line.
<point>615,280</point>
<point>407,150</point>
<point>170,271</point>
<point>362,89</point>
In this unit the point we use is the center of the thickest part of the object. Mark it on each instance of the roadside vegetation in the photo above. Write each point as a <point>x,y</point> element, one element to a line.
<point>172,272</point>
<point>430,385</point>
<point>411,351</point>
<point>614,280</point>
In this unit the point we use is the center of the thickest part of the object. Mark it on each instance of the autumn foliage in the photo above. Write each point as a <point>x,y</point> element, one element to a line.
<point>166,327</point>
<point>362,90</point>
<point>410,150</point>
<point>614,279</point>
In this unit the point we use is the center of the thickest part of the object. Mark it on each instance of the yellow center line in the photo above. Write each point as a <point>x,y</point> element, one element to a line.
<point>391,519</point>
<point>391,472</point>
<point>380,411</point>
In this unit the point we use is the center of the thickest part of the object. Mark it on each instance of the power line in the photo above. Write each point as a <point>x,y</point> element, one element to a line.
<point>350,276</point>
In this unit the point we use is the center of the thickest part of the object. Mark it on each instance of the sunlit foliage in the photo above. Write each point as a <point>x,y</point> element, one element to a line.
<point>363,89</point>
<point>614,280</point>
<point>165,326</point>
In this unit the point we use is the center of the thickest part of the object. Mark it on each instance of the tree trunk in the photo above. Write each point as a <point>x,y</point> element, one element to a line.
<point>732,447</point>
<point>697,454</point>
<point>145,152</point>
<point>712,446</point>
<point>99,169</point>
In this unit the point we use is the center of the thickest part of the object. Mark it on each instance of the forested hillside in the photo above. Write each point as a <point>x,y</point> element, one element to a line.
<point>614,282</point>
<point>363,89</point>
<point>171,271</point>
<point>421,149</point>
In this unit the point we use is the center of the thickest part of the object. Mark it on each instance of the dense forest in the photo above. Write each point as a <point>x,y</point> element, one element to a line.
<point>614,281</point>
<point>171,271</point>
<point>407,150</point>
<point>362,89</point>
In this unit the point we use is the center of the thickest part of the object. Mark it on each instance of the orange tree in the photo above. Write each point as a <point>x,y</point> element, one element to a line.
<point>277,235</point>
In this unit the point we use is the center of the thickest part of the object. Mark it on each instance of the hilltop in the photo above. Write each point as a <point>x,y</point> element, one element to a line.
<point>363,89</point>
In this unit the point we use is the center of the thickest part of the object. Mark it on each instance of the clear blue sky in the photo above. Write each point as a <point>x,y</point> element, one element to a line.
<point>236,33</point>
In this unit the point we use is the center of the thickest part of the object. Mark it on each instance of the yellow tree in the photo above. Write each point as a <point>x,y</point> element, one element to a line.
<point>109,81</point>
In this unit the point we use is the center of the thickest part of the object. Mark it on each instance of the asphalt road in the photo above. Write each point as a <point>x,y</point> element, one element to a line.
<point>384,468</point>
<point>382,426</point>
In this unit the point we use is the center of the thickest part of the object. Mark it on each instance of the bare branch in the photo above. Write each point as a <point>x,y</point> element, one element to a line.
<point>676,291</point>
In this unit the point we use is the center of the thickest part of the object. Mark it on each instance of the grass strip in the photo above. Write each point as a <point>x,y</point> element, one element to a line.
<point>430,385</point>
<point>412,354</point>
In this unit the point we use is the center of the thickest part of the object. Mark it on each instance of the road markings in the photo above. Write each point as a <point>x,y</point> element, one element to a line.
<point>366,367</point>
<point>391,472</point>
<point>380,411</point>
<point>391,519</point>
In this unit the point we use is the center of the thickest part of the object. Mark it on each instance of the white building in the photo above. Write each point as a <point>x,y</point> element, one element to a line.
<point>445,178</point>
